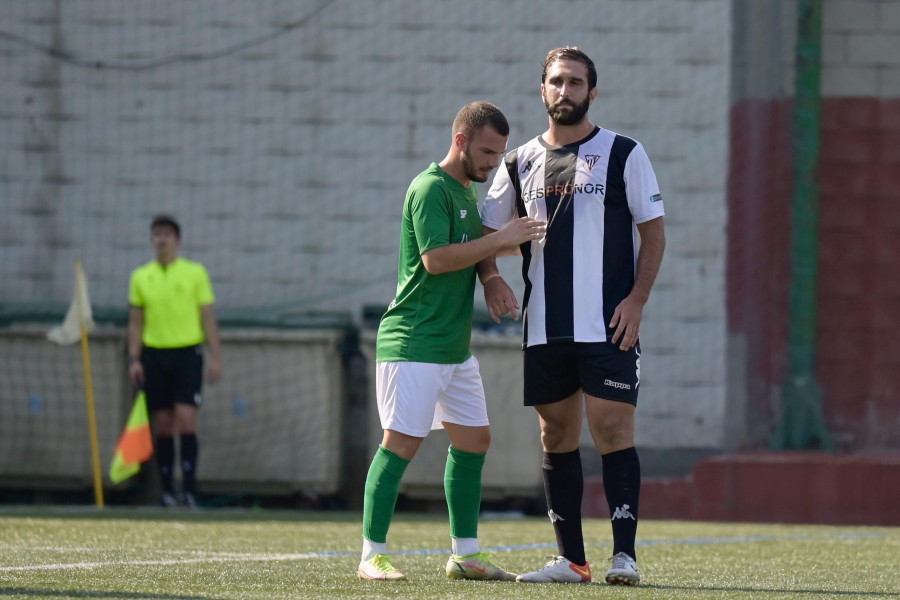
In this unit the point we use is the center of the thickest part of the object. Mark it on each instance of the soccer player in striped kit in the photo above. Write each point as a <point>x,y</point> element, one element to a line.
<point>586,284</point>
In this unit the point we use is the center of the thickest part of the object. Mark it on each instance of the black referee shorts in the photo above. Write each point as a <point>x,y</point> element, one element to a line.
<point>172,376</point>
<point>555,371</point>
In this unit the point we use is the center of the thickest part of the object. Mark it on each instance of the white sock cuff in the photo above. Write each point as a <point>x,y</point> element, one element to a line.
<point>370,549</point>
<point>464,546</point>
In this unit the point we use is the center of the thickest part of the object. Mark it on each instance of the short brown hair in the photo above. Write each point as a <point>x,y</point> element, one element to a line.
<point>571,53</point>
<point>475,115</point>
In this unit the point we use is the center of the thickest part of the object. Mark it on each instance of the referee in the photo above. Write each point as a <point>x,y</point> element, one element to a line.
<point>170,316</point>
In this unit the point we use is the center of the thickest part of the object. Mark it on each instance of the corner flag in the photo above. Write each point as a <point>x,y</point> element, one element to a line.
<point>135,446</point>
<point>78,315</point>
<point>79,321</point>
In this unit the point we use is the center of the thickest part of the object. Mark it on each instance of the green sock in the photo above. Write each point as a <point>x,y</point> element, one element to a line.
<point>462,486</point>
<point>382,489</point>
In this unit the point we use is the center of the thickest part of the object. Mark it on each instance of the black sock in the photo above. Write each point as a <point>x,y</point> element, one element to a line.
<point>622,484</point>
<point>564,487</point>
<point>165,457</point>
<point>188,461</point>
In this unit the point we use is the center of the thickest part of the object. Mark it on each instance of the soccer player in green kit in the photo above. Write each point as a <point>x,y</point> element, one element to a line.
<point>426,376</point>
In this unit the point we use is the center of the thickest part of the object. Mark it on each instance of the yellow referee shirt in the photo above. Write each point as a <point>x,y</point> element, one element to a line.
<point>171,298</point>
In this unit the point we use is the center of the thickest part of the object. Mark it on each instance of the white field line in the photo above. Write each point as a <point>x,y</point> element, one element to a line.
<point>237,557</point>
<point>224,557</point>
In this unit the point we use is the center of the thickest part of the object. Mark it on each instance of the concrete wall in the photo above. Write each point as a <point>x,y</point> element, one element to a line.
<point>287,157</point>
<point>273,424</point>
<point>859,226</point>
<point>759,202</point>
<point>275,421</point>
<point>44,425</point>
<point>858,242</point>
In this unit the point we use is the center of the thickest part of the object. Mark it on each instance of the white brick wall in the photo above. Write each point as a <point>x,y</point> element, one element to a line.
<point>861,48</point>
<point>287,162</point>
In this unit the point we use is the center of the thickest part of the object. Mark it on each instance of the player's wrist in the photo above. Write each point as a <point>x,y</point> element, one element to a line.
<point>489,277</point>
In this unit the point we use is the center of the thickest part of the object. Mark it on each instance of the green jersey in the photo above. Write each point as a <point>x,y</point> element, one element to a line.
<point>430,318</point>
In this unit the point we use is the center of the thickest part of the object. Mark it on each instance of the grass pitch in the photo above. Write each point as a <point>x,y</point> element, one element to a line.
<point>223,554</point>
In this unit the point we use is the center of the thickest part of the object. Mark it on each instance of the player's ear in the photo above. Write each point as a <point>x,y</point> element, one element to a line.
<point>459,141</point>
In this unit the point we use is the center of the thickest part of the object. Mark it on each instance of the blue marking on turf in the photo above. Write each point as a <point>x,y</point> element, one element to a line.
<point>314,555</point>
<point>660,542</point>
<point>755,538</point>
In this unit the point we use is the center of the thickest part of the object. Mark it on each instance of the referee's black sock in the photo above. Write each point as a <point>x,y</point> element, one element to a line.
<point>165,458</point>
<point>622,484</point>
<point>188,461</point>
<point>563,488</point>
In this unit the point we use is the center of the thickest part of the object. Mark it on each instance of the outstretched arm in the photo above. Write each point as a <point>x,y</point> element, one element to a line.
<point>454,257</point>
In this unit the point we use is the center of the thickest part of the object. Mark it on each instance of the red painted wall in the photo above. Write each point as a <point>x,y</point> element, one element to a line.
<point>859,264</point>
<point>859,270</point>
<point>758,263</point>
<point>799,487</point>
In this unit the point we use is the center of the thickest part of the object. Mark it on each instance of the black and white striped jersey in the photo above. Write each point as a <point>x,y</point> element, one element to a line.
<point>592,194</point>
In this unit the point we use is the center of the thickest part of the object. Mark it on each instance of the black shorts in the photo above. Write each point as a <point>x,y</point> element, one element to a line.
<point>172,376</point>
<point>555,371</point>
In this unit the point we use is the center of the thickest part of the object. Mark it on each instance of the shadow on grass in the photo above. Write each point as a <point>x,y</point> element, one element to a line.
<point>48,593</point>
<point>750,590</point>
<point>179,514</point>
<point>202,515</point>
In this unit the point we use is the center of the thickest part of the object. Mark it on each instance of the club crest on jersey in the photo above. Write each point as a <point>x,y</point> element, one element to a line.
<point>462,213</point>
<point>591,160</point>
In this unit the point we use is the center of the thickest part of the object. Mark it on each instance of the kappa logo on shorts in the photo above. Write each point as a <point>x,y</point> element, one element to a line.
<point>617,384</point>
<point>462,213</point>
<point>637,369</point>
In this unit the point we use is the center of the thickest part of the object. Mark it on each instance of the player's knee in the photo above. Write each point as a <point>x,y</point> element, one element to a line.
<point>476,440</point>
<point>559,437</point>
<point>612,428</point>
<point>483,443</point>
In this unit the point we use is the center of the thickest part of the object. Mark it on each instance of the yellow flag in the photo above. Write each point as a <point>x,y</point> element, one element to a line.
<point>135,446</point>
<point>79,312</point>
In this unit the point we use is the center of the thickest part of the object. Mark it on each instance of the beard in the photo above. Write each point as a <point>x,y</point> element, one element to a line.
<point>470,170</point>
<point>565,112</point>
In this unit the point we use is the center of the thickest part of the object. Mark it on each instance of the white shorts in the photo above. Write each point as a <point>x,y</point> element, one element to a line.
<point>415,397</point>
